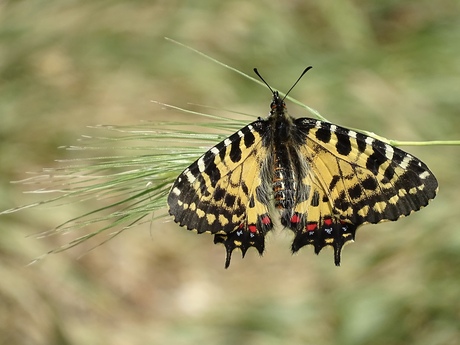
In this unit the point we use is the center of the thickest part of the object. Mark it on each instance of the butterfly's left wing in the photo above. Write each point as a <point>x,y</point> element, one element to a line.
<point>352,179</point>
<point>223,192</point>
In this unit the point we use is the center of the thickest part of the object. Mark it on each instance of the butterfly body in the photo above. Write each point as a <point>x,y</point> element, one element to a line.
<point>320,180</point>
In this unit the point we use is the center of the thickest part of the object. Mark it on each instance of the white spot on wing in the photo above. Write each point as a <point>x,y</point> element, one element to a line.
<point>369,141</point>
<point>424,175</point>
<point>352,134</point>
<point>227,142</point>
<point>190,176</point>
<point>389,152</point>
<point>405,161</point>
<point>201,165</point>
<point>214,150</point>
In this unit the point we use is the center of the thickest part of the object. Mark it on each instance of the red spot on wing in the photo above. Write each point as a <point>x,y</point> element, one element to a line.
<point>295,218</point>
<point>312,226</point>
<point>328,221</point>
<point>252,228</point>
<point>266,220</point>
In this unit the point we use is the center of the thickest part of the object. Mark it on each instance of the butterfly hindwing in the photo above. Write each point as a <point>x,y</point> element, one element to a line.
<point>315,222</point>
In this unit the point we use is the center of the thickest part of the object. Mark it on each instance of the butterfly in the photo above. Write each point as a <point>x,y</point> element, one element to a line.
<point>320,180</point>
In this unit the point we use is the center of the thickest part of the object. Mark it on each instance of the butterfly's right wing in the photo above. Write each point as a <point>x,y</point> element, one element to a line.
<point>223,192</point>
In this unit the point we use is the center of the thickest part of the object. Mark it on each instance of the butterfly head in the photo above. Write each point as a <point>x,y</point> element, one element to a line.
<point>277,106</point>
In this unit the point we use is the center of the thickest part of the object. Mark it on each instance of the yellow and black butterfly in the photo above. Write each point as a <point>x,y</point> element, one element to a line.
<point>318,179</point>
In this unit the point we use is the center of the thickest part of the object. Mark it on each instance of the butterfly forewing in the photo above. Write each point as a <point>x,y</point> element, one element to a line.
<point>368,181</point>
<point>318,179</point>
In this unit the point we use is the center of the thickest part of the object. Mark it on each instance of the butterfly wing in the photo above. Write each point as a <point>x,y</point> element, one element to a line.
<point>352,179</point>
<point>223,192</point>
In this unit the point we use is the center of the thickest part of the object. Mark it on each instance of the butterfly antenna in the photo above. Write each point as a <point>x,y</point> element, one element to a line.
<point>258,74</point>
<point>303,73</point>
<point>287,93</point>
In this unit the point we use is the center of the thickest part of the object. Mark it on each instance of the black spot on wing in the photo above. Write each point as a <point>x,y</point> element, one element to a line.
<point>324,134</point>
<point>204,190</point>
<point>361,142</point>
<point>235,150</point>
<point>219,194</point>
<point>341,202</point>
<point>315,199</point>
<point>369,183</point>
<point>212,171</point>
<point>230,200</point>
<point>343,144</point>
<point>377,158</point>
<point>398,155</point>
<point>221,147</point>
<point>355,192</point>
<point>334,181</point>
<point>249,138</point>
<point>389,173</point>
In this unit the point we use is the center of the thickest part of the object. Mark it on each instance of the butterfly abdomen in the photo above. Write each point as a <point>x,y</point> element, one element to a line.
<point>284,185</point>
<point>284,166</point>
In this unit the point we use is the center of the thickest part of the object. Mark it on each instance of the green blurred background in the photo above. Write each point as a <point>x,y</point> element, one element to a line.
<point>391,67</point>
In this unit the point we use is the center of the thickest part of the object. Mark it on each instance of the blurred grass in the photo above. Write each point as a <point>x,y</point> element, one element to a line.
<point>388,67</point>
